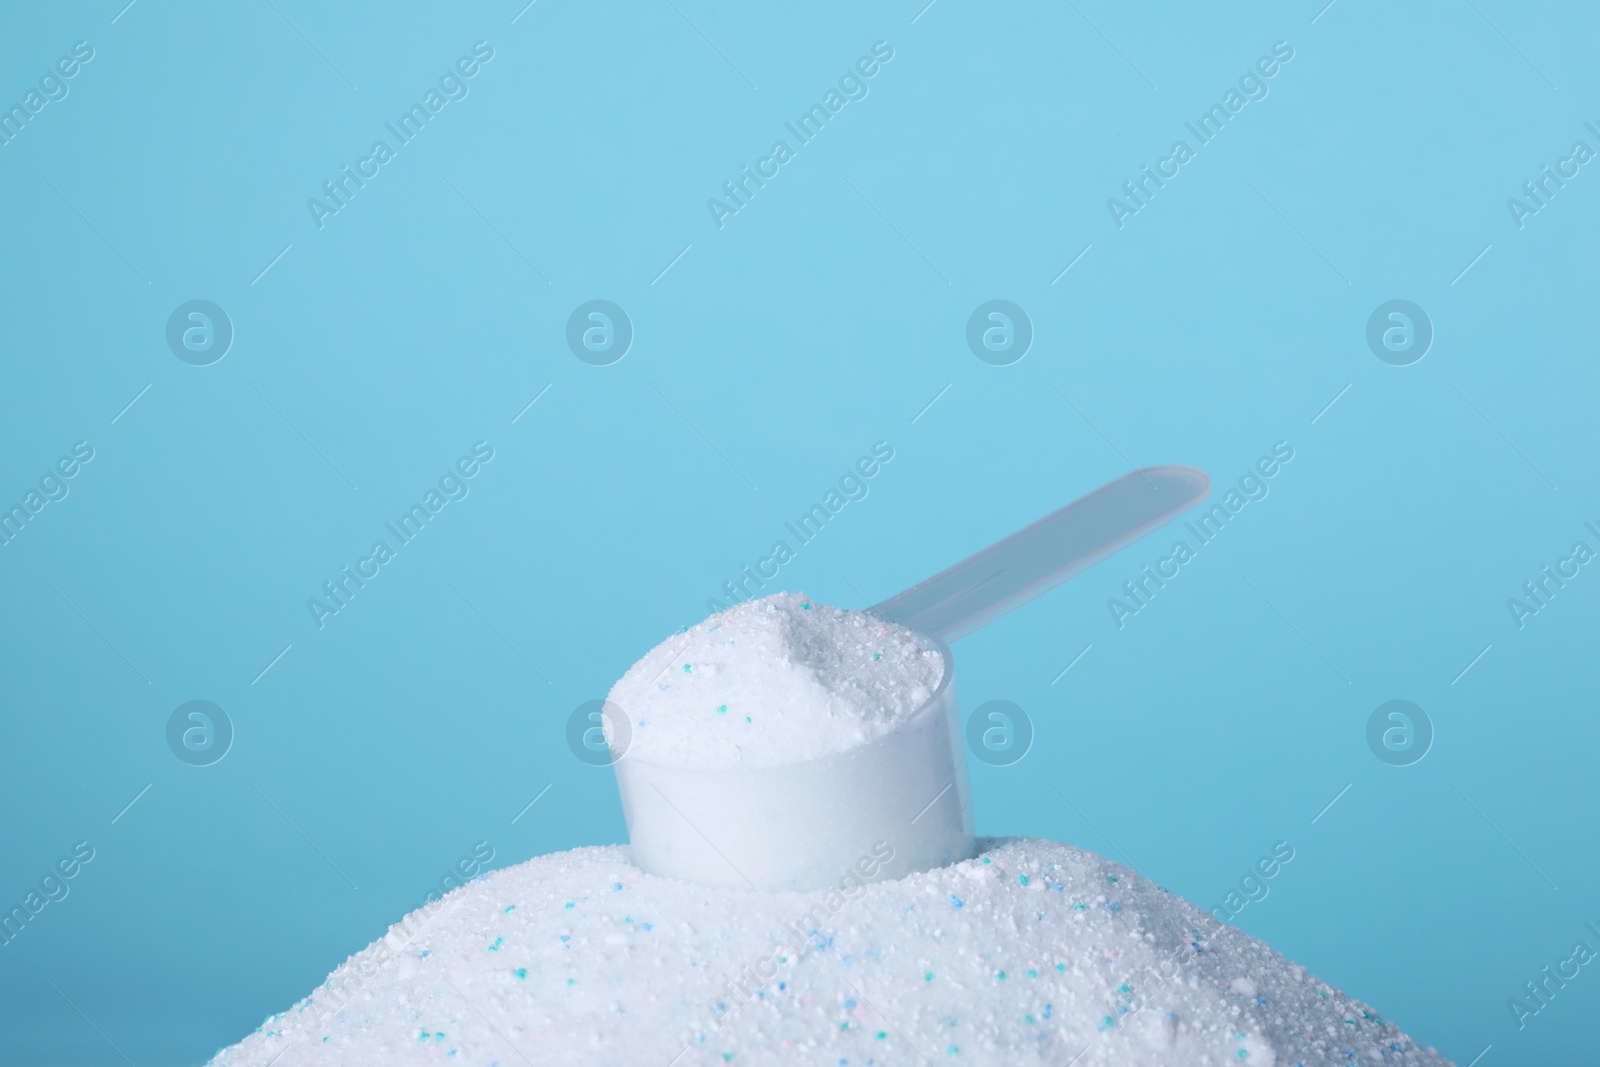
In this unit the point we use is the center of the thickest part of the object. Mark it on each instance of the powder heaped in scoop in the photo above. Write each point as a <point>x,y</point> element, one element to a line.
<point>774,681</point>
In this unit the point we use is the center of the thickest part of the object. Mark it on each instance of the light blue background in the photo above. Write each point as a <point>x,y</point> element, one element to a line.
<point>822,318</point>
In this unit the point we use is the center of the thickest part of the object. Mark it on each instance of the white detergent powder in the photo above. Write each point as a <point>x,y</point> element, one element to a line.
<point>1032,953</point>
<point>774,681</point>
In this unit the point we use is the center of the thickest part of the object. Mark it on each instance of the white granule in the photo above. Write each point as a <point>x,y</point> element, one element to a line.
<point>774,681</point>
<point>1033,953</point>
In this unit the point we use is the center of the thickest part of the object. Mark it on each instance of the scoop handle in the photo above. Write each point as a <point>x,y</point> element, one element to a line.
<point>1037,558</point>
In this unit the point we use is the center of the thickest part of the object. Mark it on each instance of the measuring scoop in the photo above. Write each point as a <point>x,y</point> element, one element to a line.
<point>899,803</point>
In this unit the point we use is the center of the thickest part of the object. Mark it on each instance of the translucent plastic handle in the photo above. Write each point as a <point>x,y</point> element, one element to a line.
<point>1038,558</point>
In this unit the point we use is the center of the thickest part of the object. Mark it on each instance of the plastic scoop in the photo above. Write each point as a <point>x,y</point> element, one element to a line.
<point>899,803</point>
<point>1037,558</point>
